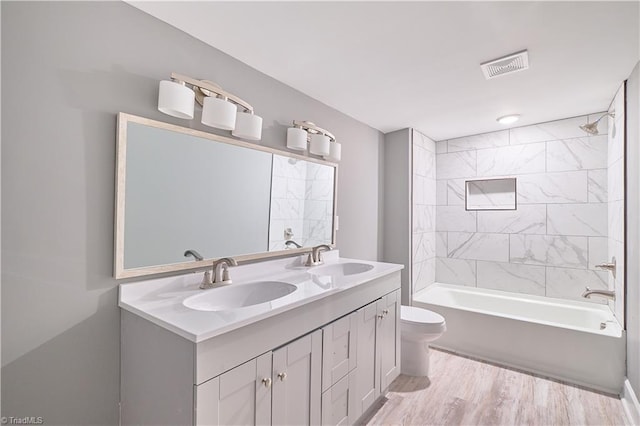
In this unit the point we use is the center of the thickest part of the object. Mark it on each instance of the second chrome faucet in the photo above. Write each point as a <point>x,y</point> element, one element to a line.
<point>315,257</point>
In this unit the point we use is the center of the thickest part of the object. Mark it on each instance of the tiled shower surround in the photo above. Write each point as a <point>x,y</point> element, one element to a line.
<point>550,245</point>
<point>423,194</point>
<point>615,199</point>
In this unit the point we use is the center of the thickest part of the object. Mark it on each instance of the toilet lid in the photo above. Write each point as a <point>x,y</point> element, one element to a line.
<point>412,314</point>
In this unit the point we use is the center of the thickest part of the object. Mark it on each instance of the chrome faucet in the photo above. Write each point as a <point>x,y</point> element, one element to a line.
<point>609,294</point>
<point>315,257</point>
<point>290,243</point>
<point>220,272</point>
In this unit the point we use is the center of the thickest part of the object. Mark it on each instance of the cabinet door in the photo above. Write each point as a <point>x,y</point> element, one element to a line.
<point>241,396</point>
<point>339,402</point>
<point>297,381</point>
<point>368,371</point>
<point>338,350</point>
<point>389,338</point>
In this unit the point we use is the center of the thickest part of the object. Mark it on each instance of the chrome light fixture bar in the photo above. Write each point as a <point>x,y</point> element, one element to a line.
<point>219,107</point>
<point>306,135</point>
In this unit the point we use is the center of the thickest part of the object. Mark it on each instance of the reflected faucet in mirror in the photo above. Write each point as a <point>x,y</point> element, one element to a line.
<point>206,279</point>
<point>197,256</point>
<point>315,257</point>
<point>290,243</point>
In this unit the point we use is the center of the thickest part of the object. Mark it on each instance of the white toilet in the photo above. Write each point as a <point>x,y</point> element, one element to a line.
<point>418,327</point>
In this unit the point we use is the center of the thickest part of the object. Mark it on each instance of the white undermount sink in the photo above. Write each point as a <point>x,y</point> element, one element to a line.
<point>238,296</point>
<point>341,269</point>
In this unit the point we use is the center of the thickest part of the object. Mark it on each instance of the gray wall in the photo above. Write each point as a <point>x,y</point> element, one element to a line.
<point>67,69</point>
<point>0,213</point>
<point>397,205</point>
<point>632,298</point>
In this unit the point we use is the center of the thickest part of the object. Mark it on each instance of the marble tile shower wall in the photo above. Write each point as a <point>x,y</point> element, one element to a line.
<point>550,244</point>
<point>423,271</point>
<point>615,201</point>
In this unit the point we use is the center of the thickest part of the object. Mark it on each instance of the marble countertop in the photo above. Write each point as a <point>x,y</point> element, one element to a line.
<point>161,300</point>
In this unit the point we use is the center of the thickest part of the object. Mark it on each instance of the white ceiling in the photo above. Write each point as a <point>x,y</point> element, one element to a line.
<point>393,65</point>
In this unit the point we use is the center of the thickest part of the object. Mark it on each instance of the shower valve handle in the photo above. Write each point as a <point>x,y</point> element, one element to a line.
<point>607,266</point>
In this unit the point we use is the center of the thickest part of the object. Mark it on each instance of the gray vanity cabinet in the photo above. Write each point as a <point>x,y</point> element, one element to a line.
<point>388,345</point>
<point>239,396</point>
<point>296,381</point>
<point>367,376</point>
<point>322,363</point>
<point>378,349</point>
<point>279,387</point>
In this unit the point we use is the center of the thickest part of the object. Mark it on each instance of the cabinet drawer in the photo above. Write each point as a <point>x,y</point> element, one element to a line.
<point>339,402</point>
<point>338,350</point>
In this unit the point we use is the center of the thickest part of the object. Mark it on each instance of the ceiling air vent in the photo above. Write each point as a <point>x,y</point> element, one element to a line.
<point>506,65</point>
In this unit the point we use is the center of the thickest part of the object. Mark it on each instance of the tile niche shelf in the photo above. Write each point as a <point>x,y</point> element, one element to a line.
<point>491,194</point>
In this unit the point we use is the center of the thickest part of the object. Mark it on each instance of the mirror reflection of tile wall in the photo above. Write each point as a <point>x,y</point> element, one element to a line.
<point>302,202</point>
<point>548,246</point>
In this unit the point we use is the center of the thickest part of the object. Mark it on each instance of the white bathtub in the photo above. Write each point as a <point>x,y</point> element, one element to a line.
<point>557,338</point>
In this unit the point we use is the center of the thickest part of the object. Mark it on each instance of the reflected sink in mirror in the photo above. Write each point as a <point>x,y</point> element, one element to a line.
<point>238,296</point>
<point>341,269</point>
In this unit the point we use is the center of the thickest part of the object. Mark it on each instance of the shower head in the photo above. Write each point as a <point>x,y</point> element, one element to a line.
<point>592,128</point>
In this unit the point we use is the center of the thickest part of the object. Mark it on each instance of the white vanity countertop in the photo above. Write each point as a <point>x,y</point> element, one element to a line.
<point>161,300</point>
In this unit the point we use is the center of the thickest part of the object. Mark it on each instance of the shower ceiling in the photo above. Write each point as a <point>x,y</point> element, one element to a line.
<point>393,65</point>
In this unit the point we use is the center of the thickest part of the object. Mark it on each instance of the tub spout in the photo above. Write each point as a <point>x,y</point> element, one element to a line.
<point>609,294</point>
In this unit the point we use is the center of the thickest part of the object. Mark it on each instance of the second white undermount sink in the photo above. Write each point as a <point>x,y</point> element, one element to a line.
<point>239,296</point>
<point>341,269</point>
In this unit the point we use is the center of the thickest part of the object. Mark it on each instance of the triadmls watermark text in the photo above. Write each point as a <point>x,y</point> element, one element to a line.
<point>25,420</point>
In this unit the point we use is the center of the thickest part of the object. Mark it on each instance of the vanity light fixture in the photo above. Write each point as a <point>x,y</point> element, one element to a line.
<point>306,135</point>
<point>177,98</point>
<point>508,119</point>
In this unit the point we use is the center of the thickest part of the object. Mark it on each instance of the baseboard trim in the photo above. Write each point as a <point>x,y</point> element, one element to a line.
<point>630,404</point>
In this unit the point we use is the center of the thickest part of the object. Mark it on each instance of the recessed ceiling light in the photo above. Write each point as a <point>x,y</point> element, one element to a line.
<point>508,119</point>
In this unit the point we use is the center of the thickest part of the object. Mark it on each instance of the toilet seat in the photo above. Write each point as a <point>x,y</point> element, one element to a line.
<point>420,320</point>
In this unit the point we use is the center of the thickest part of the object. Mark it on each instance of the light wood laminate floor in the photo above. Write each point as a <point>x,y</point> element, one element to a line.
<point>463,391</point>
